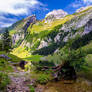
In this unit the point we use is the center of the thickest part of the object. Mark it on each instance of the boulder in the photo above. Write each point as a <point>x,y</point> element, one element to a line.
<point>22,64</point>
<point>5,57</point>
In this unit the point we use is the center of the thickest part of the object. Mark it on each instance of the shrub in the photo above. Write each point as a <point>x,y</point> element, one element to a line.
<point>43,79</point>
<point>32,89</point>
<point>4,81</point>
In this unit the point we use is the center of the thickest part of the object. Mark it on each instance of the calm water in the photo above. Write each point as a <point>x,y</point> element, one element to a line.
<point>81,85</point>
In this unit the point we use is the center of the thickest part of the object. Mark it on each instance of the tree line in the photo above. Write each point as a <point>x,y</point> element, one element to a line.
<point>5,41</point>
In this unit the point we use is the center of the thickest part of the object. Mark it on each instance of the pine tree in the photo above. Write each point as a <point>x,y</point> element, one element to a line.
<point>6,41</point>
<point>0,45</point>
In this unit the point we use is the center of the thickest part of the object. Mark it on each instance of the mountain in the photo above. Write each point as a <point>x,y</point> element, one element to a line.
<point>55,14</point>
<point>38,37</point>
<point>83,8</point>
<point>18,30</point>
<point>35,36</point>
<point>59,48</point>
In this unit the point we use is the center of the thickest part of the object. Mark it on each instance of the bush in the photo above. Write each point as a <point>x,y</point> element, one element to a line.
<point>32,89</point>
<point>43,79</point>
<point>4,81</point>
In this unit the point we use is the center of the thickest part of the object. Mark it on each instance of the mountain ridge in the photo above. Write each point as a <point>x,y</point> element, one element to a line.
<point>38,35</point>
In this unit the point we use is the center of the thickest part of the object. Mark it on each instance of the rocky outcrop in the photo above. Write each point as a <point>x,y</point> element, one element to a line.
<point>5,57</point>
<point>55,14</point>
<point>43,44</point>
<point>82,9</point>
<point>22,32</point>
<point>80,23</point>
<point>31,19</point>
<point>17,37</point>
<point>88,27</point>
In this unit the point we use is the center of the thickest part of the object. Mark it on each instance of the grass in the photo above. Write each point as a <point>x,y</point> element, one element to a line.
<point>20,52</point>
<point>87,48</point>
<point>12,32</point>
<point>4,66</point>
<point>49,26</point>
<point>87,72</point>
<point>33,58</point>
<point>83,11</point>
<point>4,81</point>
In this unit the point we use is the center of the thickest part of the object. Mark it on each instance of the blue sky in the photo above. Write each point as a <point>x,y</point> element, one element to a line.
<point>14,10</point>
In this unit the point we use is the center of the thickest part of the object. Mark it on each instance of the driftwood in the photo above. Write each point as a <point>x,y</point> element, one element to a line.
<point>52,68</point>
<point>64,71</point>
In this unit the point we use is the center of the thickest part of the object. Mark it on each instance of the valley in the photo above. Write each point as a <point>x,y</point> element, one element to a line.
<point>49,55</point>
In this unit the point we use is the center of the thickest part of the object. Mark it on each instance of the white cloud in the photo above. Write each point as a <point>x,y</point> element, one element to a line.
<point>87,2</point>
<point>2,18</point>
<point>14,10</point>
<point>2,24</point>
<point>5,22</point>
<point>75,5</point>
<point>18,6</point>
<point>80,3</point>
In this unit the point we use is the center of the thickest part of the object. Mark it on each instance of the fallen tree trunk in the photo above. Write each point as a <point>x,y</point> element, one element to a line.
<point>62,71</point>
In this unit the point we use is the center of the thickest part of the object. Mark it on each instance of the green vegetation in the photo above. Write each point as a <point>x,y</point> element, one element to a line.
<point>4,66</point>
<point>4,81</point>
<point>31,88</point>
<point>48,26</point>
<point>43,78</point>
<point>13,57</point>
<point>6,45</point>
<point>34,58</point>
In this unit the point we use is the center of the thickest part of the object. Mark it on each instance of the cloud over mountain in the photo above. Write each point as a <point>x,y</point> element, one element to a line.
<point>80,3</point>
<point>18,6</point>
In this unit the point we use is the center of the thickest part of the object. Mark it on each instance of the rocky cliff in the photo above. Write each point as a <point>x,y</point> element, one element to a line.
<point>55,14</point>
<point>19,30</point>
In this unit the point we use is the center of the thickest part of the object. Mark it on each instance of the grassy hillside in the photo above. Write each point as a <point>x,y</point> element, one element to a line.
<point>42,33</point>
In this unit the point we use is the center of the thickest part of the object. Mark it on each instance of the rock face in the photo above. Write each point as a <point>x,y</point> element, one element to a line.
<point>88,27</point>
<point>30,20</point>
<point>82,8</point>
<point>43,44</point>
<point>55,14</point>
<point>22,32</point>
<point>77,23</point>
<point>17,37</point>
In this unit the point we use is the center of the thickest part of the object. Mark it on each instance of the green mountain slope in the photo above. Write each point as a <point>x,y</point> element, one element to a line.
<point>50,36</point>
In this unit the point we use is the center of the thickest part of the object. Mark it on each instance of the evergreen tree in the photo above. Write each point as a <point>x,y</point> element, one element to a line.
<point>0,45</point>
<point>6,41</point>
